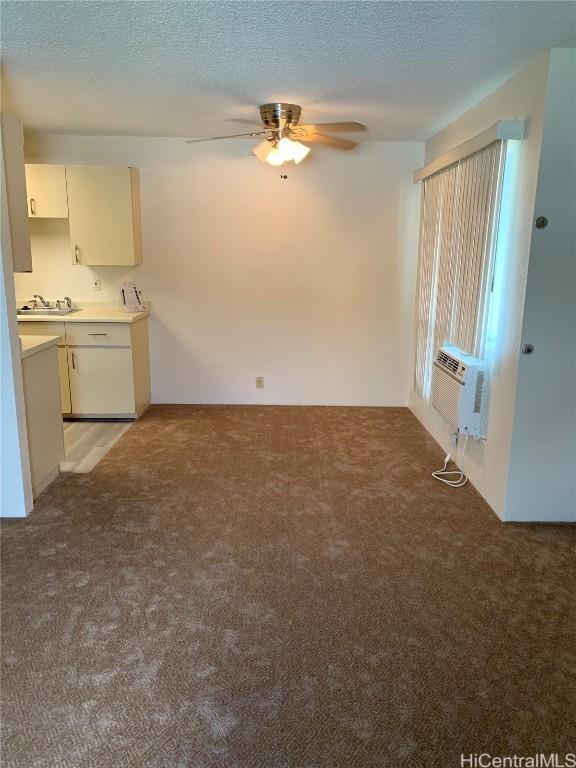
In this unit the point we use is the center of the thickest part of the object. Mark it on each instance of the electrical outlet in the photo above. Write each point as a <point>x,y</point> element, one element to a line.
<point>96,284</point>
<point>259,382</point>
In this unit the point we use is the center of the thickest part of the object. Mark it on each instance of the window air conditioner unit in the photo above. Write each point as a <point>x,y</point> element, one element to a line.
<point>458,390</point>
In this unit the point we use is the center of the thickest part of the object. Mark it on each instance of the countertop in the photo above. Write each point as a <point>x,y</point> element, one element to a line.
<point>87,316</point>
<point>29,345</point>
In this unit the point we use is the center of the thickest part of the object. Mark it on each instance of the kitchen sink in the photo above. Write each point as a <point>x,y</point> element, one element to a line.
<point>45,311</point>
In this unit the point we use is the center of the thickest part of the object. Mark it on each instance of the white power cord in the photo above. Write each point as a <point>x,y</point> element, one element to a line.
<point>445,476</point>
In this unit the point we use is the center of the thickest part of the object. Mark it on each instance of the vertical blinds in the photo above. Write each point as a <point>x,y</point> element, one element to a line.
<point>457,235</point>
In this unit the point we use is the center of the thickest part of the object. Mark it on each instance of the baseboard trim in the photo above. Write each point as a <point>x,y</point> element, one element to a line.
<point>45,482</point>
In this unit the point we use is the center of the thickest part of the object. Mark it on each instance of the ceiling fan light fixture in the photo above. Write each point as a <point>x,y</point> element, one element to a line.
<point>262,150</point>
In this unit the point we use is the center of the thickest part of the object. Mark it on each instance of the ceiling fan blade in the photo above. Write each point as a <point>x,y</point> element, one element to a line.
<point>245,120</point>
<point>330,141</point>
<point>330,127</point>
<point>231,136</point>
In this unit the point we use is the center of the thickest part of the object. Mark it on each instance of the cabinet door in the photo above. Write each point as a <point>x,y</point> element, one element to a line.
<point>101,381</point>
<point>14,187</point>
<point>43,417</point>
<point>64,380</point>
<point>46,189</point>
<point>103,205</point>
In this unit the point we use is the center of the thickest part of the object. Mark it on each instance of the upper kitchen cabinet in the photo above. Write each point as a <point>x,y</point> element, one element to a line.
<point>14,188</point>
<point>46,189</point>
<point>104,215</point>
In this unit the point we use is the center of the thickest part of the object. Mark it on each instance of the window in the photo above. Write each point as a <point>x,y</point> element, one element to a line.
<point>458,226</point>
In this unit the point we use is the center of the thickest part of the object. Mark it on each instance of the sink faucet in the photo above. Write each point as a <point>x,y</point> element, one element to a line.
<point>42,300</point>
<point>66,300</point>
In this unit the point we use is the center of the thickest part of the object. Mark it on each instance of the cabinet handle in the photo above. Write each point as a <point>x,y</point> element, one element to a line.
<point>76,254</point>
<point>32,207</point>
<point>73,361</point>
<point>97,334</point>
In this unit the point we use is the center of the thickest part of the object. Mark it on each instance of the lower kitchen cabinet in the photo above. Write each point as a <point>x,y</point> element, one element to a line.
<point>104,367</point>
<point>43,419</point>
<point>65,401</point>
<point>101,380</point>
<point>53,329</point>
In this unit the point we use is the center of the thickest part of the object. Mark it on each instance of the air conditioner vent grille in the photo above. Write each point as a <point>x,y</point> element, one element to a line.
<point>479,392</point>
<point>446,394</point>
<point>448,362</point>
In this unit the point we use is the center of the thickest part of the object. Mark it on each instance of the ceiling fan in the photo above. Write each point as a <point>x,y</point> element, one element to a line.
<point>282,135</point>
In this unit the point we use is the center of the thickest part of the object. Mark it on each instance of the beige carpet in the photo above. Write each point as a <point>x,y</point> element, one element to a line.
<point>280,587</point>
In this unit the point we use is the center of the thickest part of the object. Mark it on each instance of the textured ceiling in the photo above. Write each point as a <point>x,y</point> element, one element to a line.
<point>193,68</point>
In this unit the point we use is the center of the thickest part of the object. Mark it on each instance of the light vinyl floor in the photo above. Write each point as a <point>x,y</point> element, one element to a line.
<point>86,442</point>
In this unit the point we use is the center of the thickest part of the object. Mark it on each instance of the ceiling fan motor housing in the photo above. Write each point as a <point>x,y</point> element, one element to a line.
<point>280,116</point>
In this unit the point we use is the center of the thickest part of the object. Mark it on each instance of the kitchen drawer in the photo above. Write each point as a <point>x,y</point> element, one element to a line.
<point>39,328</point>
<point>98,334</point>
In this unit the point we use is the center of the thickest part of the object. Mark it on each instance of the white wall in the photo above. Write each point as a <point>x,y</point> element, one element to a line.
<point>308,282</point>
<point>520,98</point>
<point>53,273</point>
<point>542,482</point>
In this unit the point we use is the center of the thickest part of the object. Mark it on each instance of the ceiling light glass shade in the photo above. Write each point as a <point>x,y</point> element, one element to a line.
<point>285,151</point>
<point>262,150</point>
<point>285,146</point>
<point>293,150</point>
<point>299,151</point>
<point>275,156</point>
